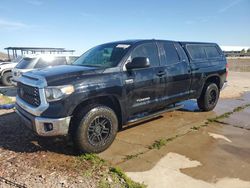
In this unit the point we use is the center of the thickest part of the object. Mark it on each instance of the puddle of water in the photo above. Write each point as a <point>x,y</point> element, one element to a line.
<point>190,105</point>
<point>227,105</point>
<point>239,119</point>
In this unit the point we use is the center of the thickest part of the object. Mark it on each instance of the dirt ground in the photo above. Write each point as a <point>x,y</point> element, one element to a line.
<point>238,83</point>
<point>239,64</point>
<point>184,148</point>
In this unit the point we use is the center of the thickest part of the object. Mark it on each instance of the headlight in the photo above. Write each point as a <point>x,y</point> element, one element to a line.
<point>18,74</point>
<point>55,93</point>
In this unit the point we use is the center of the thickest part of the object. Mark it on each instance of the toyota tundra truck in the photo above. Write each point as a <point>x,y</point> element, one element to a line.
<point>118,83</point>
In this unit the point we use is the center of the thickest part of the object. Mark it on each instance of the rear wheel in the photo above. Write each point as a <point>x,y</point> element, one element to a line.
<point>6,79</point>
<point>95,129</point>
<point>209,97</point>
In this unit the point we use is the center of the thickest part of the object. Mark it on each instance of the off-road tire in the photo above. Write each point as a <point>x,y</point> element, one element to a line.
<point>6,79</point>
<point>83,123</point>
<point>209,97</point>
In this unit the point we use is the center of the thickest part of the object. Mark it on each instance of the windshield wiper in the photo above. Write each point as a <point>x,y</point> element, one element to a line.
<point>86,65</point>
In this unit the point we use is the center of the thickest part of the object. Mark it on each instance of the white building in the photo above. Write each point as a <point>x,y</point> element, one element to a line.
<point>234,48</point>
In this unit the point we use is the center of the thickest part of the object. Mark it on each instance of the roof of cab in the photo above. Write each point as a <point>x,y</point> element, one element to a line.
<point>187,42</point>
<point>135,41</point>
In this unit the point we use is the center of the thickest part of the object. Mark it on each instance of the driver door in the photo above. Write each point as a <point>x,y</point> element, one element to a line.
<point>141,85</point>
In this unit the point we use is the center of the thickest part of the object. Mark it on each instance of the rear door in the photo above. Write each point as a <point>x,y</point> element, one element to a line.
<point>141,85</point>
<point>177,69</point>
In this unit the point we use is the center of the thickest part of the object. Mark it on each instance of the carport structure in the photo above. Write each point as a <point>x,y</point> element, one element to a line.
<point>34,50</point>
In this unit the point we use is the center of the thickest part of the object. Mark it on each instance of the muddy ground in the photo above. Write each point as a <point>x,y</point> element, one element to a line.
<point>184,148</point>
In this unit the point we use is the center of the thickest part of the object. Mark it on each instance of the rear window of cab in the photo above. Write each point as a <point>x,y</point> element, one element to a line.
<point>203,52</point>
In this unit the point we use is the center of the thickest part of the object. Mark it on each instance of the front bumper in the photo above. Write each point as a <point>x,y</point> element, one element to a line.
<point>44,126</point>
<point>224,85</point>
<point>13,82</point>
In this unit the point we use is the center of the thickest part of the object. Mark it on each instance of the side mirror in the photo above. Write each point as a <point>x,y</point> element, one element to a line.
<point>138,62</point>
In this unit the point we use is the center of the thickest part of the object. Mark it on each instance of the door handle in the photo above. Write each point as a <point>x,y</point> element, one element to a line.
<point>195,69</point>
<point>161,73</point>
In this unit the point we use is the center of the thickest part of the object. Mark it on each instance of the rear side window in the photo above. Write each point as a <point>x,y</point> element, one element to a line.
<point>196,52</point>
<point>46,62</point>
<point>148,50</point>
<point>212,52</point>
<point>171,53</point>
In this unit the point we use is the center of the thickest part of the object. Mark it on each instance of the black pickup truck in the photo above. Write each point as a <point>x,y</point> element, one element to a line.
<point>118,83</point>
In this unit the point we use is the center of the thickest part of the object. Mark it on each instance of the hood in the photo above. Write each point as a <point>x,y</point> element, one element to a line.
<point>63,74</point>
<point>1,63</point>
<point>5,65</point>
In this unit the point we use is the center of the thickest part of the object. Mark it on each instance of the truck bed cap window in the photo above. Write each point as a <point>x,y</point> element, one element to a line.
<point>196,52</point>
<point>203,51</point>
<point>212,52</point>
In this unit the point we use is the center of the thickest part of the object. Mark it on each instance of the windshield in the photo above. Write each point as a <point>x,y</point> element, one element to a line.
<point>26,63</point>
<point>103,56</point>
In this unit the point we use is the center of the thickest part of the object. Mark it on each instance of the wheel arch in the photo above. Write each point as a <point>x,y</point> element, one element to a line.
<point>110,101</point>
<point>5,70</point>
<point>214,79</point>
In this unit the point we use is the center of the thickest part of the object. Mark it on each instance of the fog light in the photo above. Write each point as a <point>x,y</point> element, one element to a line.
<point>48,127</point>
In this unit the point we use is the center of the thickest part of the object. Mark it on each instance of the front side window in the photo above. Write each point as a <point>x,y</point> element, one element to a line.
<point>148,50</point>
<point>103,56</point>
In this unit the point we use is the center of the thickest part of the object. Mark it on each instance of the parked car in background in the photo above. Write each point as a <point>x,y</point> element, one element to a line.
<point>118,83</point>
<point>32,62</point>
<point>5,71</point>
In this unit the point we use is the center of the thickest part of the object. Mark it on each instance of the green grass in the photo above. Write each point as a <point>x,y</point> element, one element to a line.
<point>227,114</point>
<point>93,158</point>
<point>98,166</point>
<point>128,182</point>
<point>128,157</point>
<point>162,142</point>
<point>5,100</point>
<point>195,128</point>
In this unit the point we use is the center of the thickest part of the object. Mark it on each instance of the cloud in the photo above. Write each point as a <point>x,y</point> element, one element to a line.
<point>10,25</point>
<point>35,2</point>
<point>229,6</point>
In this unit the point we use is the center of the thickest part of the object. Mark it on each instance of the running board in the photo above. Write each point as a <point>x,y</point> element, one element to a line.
<point>151,116</point>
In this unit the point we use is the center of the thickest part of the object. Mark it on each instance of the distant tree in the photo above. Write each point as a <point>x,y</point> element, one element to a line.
<point>248,50</point>
<point>243,51</point>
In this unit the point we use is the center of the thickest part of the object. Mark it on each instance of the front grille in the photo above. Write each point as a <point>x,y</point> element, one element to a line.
<point>29,94</point>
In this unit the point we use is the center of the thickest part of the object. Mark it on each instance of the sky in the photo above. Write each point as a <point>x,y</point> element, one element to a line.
<point>80,25</point>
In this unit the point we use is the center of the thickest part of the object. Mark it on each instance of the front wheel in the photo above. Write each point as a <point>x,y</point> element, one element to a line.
<point>6,79</point>
<point>95,129</point>
<point>209,97</point>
